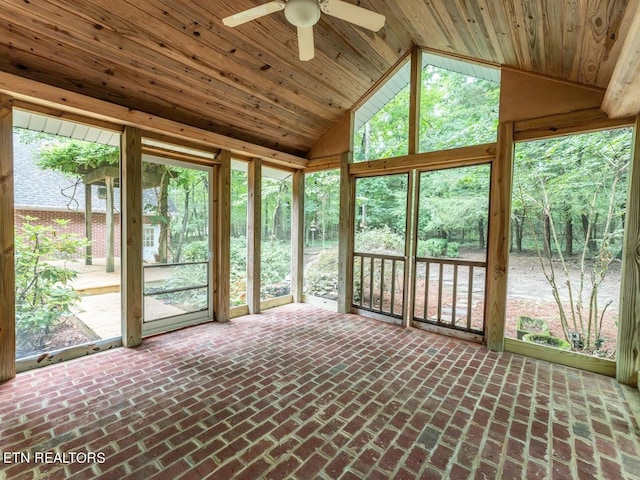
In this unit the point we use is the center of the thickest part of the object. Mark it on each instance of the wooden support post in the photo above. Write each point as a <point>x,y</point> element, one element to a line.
<point>223,238</point>
<point>498,241</point>
<point>88,224</point>
<point>110,230</point>
<point>297,236</point>
<point>132,282</point>
<point>413,183</point>
<point>254,234</point>
<point>345,237</point>
<point>414,100</point>
<point>628,351</point>
<point>7,244</point>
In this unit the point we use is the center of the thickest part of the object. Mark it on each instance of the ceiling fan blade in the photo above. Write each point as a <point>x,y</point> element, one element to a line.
<point>353,14</point>
<point>253,13</point>
<point>305,43</point>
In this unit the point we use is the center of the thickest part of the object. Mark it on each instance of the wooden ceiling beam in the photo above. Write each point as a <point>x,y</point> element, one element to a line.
<point>57,98</point>
<point>622,97</point>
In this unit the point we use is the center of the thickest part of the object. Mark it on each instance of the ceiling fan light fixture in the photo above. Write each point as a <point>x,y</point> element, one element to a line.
<point>302,13</point>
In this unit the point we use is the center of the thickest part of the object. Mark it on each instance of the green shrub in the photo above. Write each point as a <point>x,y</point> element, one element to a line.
<point>275,262</point>
<point>238,273</point>
<point>321,274</point>
<point>238,252</point>
<point>453,249</point>
<point>196,251</point>
<point>438,247</point>
<point>379,240</point>
<point>43,294</point>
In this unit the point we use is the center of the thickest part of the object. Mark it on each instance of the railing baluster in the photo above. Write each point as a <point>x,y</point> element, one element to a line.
<point>469,297</point>
<point>371,282</point>
<point>439,313</point>
<point>393,285</point>
<point>382,284</point>
<point>427,266</point>
<point>404,290</point>
<point>361,280</point>
<point>454,297</point>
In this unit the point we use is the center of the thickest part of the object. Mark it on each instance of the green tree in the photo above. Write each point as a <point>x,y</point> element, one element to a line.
<point>321,206</point>
<point>456,110</point>
<point>559,180</point>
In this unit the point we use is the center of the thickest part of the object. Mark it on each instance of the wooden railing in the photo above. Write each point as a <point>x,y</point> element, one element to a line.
<point>378,283</point>
<point>450,293</point>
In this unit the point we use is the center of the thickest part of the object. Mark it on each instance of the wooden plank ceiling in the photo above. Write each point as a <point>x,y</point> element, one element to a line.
<point>176,60</point>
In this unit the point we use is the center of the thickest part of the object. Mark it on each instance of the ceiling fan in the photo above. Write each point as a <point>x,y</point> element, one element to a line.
<point>304,14</point>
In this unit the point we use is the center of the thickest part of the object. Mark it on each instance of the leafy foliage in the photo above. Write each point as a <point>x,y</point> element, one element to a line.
<point>381,204</point>
<point>456,110</point>
<point>276,262</point>
<point>275,266</point>
<point>321,274</point>
<point>322,207</point>
<point>191,300</point>
<point>439,247</point>
<point>578,179</point>
<point>453,205</point>
<point>43,294</point>
<point>379,240</point>
<point>196,251</point>
<point>69,156</point>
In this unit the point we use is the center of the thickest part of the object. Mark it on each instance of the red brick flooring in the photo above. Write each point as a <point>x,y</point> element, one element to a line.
<point>303,393</point>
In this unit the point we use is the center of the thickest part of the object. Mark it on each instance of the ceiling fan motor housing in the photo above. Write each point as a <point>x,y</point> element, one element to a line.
<point>302,13</point>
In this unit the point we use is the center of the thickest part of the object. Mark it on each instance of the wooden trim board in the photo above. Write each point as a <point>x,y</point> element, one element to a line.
<point>69,353</point>
<point>276,302</point>
<point>320,302</point>
<point>455,157</point>
<point>449,332</point>
<point>566,123</point>
<point>561,357</point>
<point>59,99</point>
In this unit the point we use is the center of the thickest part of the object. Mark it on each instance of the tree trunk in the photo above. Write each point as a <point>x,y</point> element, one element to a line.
<point>547,234</point>
<point>512,237</point>
<point>367,140</point>
<point>591,244</point>
<point>163,241</point>
<point>481,234</point>
<point>568,228</point>
<point>185,222</point>
<point>276,219</point>
<point>519,228</point>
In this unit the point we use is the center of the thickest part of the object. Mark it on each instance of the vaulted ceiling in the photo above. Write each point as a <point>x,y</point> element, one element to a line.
<point>175,59</point>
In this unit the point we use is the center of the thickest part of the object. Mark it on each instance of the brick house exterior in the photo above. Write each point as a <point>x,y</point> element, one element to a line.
<point>76,225</point>
<point>49,195</point>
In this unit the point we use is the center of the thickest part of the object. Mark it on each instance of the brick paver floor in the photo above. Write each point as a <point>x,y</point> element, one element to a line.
<point>299,392</point>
